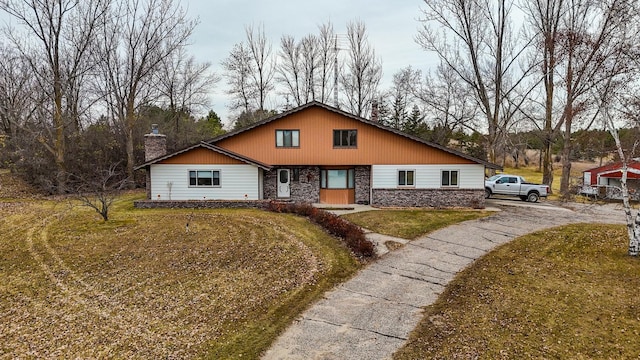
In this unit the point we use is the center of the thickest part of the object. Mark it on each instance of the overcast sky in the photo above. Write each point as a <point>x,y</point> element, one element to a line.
<point>391,26</point>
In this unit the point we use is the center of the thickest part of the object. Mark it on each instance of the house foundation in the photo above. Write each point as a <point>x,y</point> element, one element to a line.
<point>435,198</point>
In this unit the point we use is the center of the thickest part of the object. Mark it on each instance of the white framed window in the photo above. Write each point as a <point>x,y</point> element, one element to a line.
<point>406,178</point>
<point>449,178</point>
<point>287,138</point>
<point>204,178</point>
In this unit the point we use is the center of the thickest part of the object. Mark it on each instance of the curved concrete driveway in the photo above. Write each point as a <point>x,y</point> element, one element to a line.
<point>371,316</point>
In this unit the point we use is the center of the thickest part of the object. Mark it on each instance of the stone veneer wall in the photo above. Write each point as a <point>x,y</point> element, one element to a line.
<point>363,184</point>
<point>201,204</point>
<point>270,184</point>
<point>307,189</point>
<point>437,198</point>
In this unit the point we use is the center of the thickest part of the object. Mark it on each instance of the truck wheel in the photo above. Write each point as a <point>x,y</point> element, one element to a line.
<point>487,193</point>
<point>533,197</point>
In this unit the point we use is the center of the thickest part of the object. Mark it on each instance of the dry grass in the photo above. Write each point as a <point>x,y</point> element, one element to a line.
<point>409,224</point>
<point>569,292</point>
<point>141,286</point>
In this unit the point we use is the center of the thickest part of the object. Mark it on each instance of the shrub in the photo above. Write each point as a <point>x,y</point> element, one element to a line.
<point>351,234</point>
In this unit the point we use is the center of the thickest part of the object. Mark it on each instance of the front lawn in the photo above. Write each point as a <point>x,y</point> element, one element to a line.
<point>143,286</point>
<point>565,293</point>
<point>409,224</point>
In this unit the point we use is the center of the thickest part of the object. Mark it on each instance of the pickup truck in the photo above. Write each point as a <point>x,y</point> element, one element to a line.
<point>514,185</point>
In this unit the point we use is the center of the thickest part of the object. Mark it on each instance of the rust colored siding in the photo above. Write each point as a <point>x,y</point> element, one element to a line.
<point>337,196</point>
<point>201,156</point>
<point>374,146</point>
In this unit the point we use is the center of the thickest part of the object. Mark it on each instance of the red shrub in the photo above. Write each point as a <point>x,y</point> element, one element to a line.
<point>351,234</point>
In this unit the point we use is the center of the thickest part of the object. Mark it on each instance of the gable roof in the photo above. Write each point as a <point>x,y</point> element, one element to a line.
<point>613,167</point>
<point>357,118</point>
<point>211,147</point>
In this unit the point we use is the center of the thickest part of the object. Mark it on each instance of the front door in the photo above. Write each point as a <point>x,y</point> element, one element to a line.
<point>284,190</point>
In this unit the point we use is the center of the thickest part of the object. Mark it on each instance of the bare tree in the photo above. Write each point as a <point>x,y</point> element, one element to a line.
<point>298,67</point>
<point>290,71</point>
<point>618,99</point>
<point>362,72</point>
<point>184,85</point>
<point>138,36</point>
<point>614,103</point>
<point>592,43</point>
<point>250,70</point>
<point>263,64</point>
<point>326,62</point>
<point>306,67</point>
<point>400,96</point>
<point>449,105</point>
<point>56,42</point>
<point>476,41</point>
<point>545,20</point>
<point>16,90</point>
<point>100,192</point>
<point>237,70</point>
<point>577,40</point>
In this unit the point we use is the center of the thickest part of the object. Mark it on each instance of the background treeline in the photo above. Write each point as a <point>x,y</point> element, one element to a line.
<point>81,82</point>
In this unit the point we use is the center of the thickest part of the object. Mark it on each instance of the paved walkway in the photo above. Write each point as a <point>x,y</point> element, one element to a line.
<point>371,315</point>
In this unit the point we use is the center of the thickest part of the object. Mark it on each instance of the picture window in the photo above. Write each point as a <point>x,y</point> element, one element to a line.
<point>204,178</point>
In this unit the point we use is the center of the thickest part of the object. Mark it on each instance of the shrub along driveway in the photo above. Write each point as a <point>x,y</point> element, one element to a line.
<point>371,316</point>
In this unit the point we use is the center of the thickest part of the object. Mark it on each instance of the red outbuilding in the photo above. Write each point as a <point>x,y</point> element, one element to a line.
<point>607,179</point>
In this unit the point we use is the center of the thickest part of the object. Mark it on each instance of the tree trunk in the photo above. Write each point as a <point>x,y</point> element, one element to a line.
<point>633,226</point>
<point>130,155</point>
<point>547,162</point>
<point>130,121</point>
<point>566,157</point>
<point>59,141</point>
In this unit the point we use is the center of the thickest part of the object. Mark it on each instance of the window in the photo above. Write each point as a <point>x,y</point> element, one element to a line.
<point>295,175</point>
<point>337,179</point>
<point>345,138</point>
<point>204,178</point>
<point>450,178</point>
<point>406,178</point>
<point>287,138</point>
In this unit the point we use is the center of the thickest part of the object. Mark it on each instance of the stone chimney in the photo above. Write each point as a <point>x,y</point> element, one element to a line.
<point>155,144</point>
<point>374,110</point>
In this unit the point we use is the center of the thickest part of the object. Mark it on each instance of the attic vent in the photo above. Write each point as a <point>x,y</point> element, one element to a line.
<point>154,129</point>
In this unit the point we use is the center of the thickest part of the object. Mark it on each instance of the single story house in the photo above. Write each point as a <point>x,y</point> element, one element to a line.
<point>605,181</point>
<point>319,154</point>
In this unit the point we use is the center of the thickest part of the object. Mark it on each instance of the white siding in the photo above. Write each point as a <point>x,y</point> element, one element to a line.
<point>427,176</point>
<point>235,182</point>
